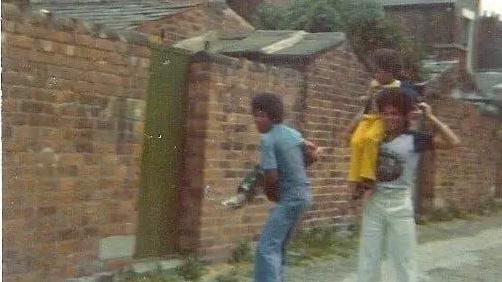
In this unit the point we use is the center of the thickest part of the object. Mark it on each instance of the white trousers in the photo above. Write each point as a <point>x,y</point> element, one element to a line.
<point>388,220</point>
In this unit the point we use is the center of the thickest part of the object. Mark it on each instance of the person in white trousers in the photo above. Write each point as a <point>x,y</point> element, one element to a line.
<point>388,216</point>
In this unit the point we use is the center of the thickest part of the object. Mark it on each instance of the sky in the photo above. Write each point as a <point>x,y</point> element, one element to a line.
<point>491,6</point>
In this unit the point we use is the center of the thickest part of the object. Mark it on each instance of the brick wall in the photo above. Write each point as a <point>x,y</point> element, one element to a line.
<point>320,101</point>
<point>222,147</point>
<point>463,178</point>
<point>334,81</point>
<point>72,128</point>
<point>196,21</point>
<point>488,41</point>
<point>466,177</point>
<point>223,142</point>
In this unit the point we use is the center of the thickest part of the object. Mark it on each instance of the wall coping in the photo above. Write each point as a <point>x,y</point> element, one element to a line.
<point>206,57</point>
<point>13,12</point>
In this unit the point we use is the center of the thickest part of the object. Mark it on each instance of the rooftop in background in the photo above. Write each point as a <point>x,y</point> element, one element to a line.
<point>413,2</point>
<point>265,43</point>
<point>490,82</point>
<point>116,14</point>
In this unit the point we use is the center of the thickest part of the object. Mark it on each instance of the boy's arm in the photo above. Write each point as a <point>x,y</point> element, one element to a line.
<point>269,167</point>
<point>271,185</point>
<point>446,139</point>
<point>311,152</point>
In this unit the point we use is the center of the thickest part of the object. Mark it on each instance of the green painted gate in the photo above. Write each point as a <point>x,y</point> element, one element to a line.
<point>161,160</point>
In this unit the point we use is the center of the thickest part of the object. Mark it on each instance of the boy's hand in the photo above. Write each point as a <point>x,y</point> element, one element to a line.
<point>311,153</point>
<point>363,100</point>
<point>362,191</point>
<point>271,185</point>
<point>272,194</point>
<point>425,108</point>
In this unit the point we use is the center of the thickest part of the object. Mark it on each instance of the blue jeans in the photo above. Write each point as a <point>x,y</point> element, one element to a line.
<point>270,251</point>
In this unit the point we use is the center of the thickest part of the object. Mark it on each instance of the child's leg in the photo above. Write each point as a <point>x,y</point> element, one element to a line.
<point>374,137</point>
<point>371,242</point>
<point>402,238</point>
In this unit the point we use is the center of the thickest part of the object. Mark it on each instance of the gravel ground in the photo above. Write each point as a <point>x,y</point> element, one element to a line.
<point>459,250</point>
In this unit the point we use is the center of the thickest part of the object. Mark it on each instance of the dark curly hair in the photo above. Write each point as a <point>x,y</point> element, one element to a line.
<point>270,104</point>
<point>396,98</point>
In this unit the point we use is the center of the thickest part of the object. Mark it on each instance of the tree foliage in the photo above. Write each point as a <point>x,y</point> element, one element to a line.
<point>363,21</point>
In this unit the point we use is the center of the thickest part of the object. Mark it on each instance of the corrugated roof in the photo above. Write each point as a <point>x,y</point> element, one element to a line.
<point>414,2</point>
<point>116,14</point>
<point>267,43</point>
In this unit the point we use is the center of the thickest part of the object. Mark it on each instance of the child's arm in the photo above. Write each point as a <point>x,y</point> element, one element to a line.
<point>355,121</point>
<point>447,139</point>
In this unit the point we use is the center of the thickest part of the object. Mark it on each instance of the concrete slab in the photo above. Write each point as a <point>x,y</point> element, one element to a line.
<point>116,247</point>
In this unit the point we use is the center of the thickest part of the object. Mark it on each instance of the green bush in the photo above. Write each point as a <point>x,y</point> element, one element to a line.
<point>270,17</point>
<point>191,269</point>
<point>319,242</point>
<point>242,253</point>
<point>363,21</point>
<point>156,276</point>
<point>231,276</point>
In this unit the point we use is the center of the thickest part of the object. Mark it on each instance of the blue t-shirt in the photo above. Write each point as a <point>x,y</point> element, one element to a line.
<point>282,148</point>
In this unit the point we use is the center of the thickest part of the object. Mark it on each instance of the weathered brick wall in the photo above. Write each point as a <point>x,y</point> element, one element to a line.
<point>224,137</point>
<point>466,177</point>
<point>334,82</point>
<point>488,41</point>
<point>222,147</point>
<point>320,101</point>
<point>72,128</point>
<point>196,21</point>
<point>462,178</point>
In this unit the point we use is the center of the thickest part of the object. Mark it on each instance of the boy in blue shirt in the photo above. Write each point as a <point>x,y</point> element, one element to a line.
<point>285,182</point>
<point>246,190</point>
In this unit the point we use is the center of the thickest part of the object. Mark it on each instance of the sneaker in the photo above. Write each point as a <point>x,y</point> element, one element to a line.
<point>234,202</point>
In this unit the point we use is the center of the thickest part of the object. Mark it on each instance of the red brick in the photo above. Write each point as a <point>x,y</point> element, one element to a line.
<point>9,105</point>
<point>20,41</point>
<point>61,36</point>
<point>105,44</point>
<point>85,40</point>
<point>32,30</point>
